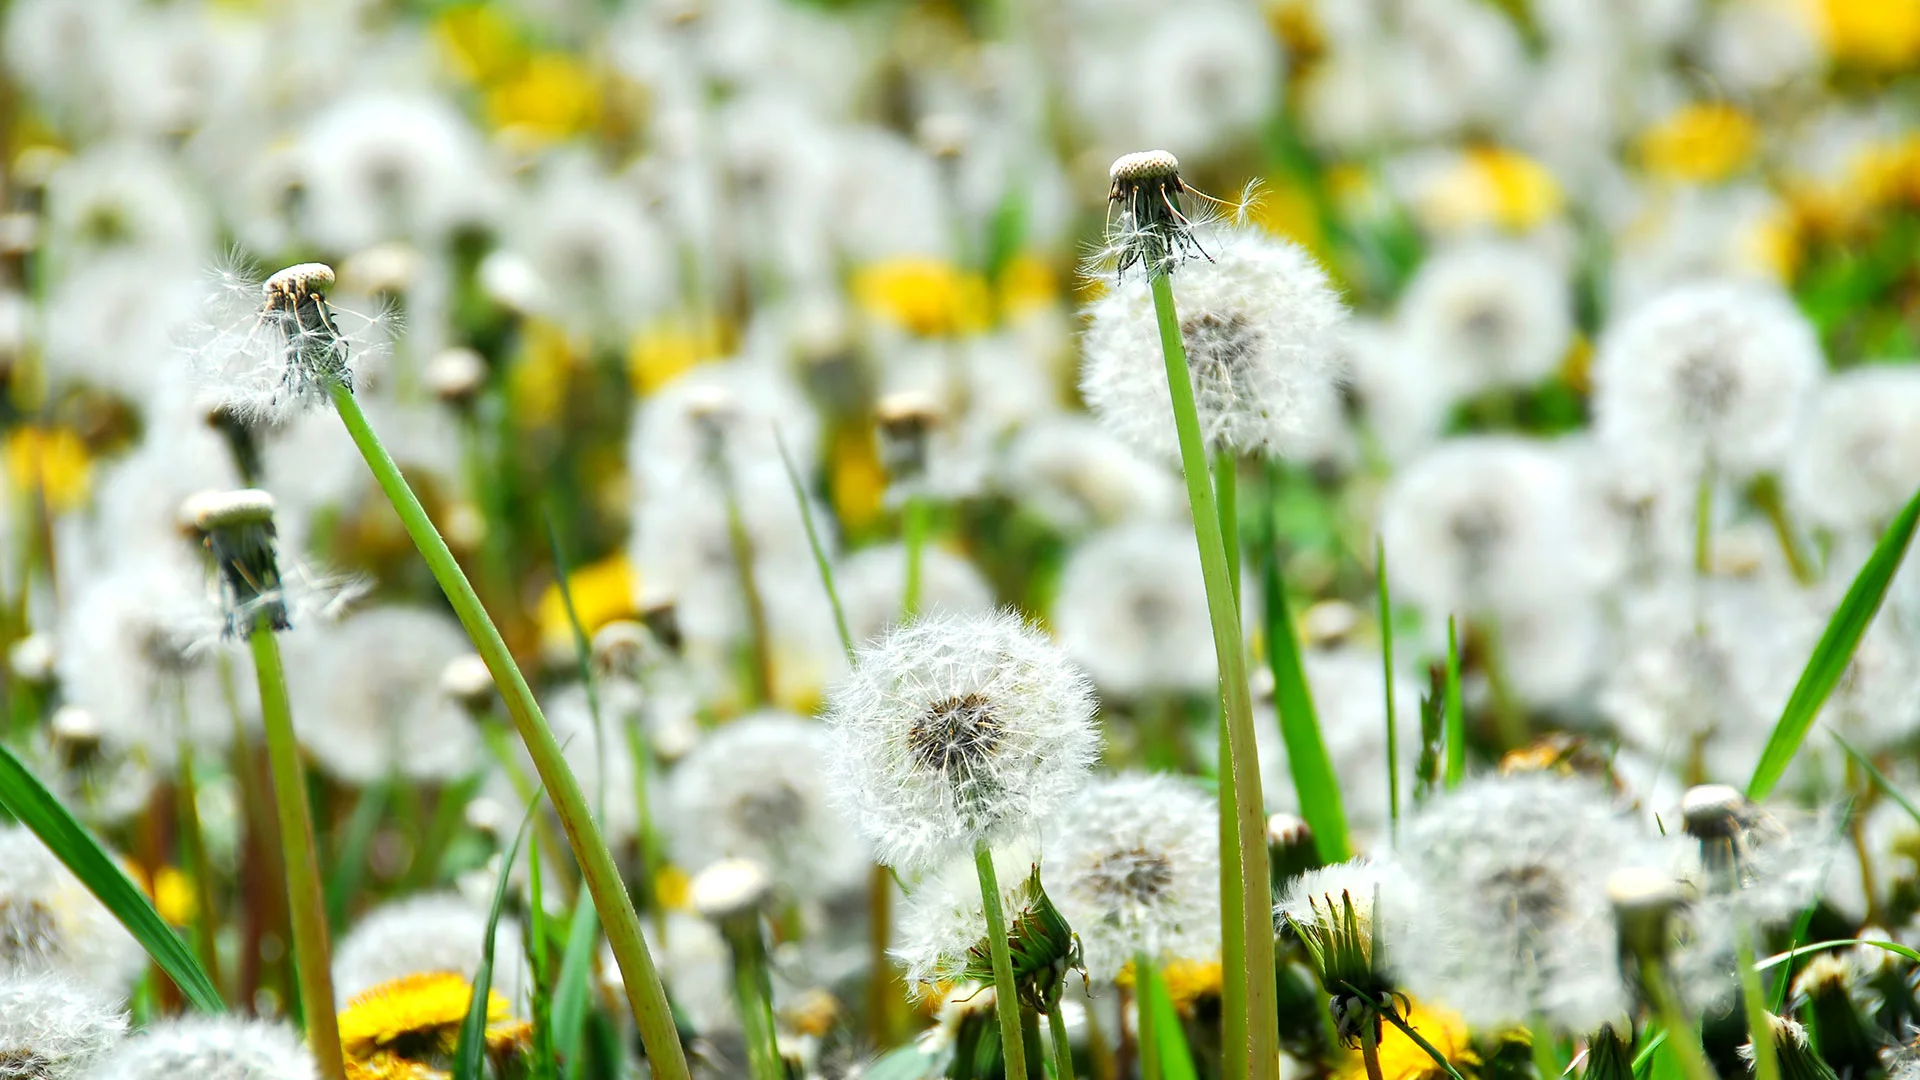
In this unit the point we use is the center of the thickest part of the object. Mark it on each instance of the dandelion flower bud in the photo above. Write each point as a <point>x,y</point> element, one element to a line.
<point>730,889</point>
<point>1262,327</point>
<point>955,730</point>
<point>53,1028</point>
<point>943,931</point>
<point>1134,863</point>
<point>1859,461</point>
<point>1510,917</point>
<point>210,1048</point>
<point>456,376</point>
<point>1796,1058</point>
<point>1840,1005</point>
<point>1291,851</point>
<point>1331,912</point>
<point>237,528</point>
<point>755,789</point>
<point>1712,372</point>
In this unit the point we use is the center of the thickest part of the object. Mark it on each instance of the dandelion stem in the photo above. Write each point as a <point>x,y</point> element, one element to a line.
<point>1062,1050</point>
<point>1006,997</point>
<point>1226,488</point>
<point>193,845</point>
<point>1766,1058</point>
<point>306,905</point>
<point>751,996</point>
<point>1386,663</point>
<point>1370,1047</point>
<point>1703,524</point>
<point>1145,1021</point>
<point>916,522</point>
<point>1251,1039</point>
<point>1456,727</point>
<point>1766,495</point>
<point>645,995</point>
<point>1682,1037</point>
<point>742,543</point>
<point>1105,1065</point>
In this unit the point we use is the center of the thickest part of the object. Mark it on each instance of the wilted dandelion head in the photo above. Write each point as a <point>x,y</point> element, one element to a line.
<point>49,922</point>
<point>1508,918</point>
<point>210,1048</point>
<point>1132,610</point>
<point>54,1028</point>
<point>1134,864</point>
<point>265,351</point>
<point>755,789</point>
<point>955,730</point>
<point>426,934</point>
<point>1715,371</point>
<point>1262,326</point>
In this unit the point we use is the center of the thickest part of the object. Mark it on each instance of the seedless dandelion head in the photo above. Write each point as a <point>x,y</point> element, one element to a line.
<point>1133,862</point>
<point>1262,326</point>
<point>729,888</point>
<point>1768,867</point>
<point>210,1048</point>
<point>954,730</point>
<point>53,1027</point>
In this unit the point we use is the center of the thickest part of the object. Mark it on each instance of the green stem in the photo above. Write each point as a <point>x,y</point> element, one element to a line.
<point>916,522</point>
<point>306,904</point>
<point>1386,663</point>
<point>206,928</point>
<point>1766,494</point>
<point>761,638</point>
<point>1456,716</point>
<point>1703,524</point>
<point>880,996</point>
<point>1682,1037</point>
<point>1252,1040</point>
<point>751,997</point>
<point>1145,1022</point>
<point>1226,488</point>
<point>1062,1049</point>
<point>1370,1048</point>
<point>1766,1058</point>
<point>645,995</point>
<point>1006,996</point>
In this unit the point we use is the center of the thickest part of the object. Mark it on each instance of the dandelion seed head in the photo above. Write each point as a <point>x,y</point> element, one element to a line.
<point>210,1048</point>
<point>1076,475</point>
<point>1262,326</point>
<point>1132,610</point>
<point>53,1027</point>
<point>955,730</point>
<point>49,922</point>
<point>1491,315</point>
<point>1133,863</point>
<point>427,934</point>
<point>943,919</point>
<point>1857,460</point>
<point>1710,371</point>
<point>872,586</point>
<point>755,789</point>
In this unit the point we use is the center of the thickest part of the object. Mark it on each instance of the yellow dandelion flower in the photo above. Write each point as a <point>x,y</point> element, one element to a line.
<point>1402,1059</point>
<point>1490,185</point>
<point>53,462</point>
<point>1700,143</point>
<point>173,896</point>
<point>1883,35</point>
<point>668,348</point>
<point>859,481</point>
<point>673,888</point>
<point>418,1018</point>
<point>479,41</point>
<point>1188,981</point>
<point>551,97</point>
<point>929,297</point>
<point>1027,283</point>
<point>602,592</point>
<point>538,379</point>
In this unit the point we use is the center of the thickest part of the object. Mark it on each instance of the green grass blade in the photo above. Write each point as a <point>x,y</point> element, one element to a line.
<point>351,866</point>
<point>35,807</point>
<point>1386,665</point>
<point>1893,947</point>
<point>544,1066</point>
<point>473,1030</point>
<point>1456,714</point>
<point>1314,781</point>
<point>813,541</point>
<point>1176,1059</point>
<point>1835,651</point>
<point>1880,780</point>
<point>570,998</point>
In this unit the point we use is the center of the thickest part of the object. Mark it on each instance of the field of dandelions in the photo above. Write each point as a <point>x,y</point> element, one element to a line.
<point>965,539</point>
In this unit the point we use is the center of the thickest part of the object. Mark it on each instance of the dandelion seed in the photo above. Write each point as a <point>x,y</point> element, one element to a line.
<point>1134,864</point>
<point>957,730</point>
<point>754,789</point>
<point>1262,327</point>
<point>210,1049</point>
<point>53,1028</point>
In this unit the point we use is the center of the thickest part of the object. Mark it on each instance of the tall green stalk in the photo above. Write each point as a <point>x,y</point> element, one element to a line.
<point>306,904</point>
<point>1006,996</point>
<point>1252,1039</point>
<point>645,995</point>
<point>1062,1049</point>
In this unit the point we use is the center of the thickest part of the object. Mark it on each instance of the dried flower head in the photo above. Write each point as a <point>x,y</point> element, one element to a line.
<point>755,789</point>
<point>1146,226</point>
<point>956,730</point>
<point>237,528</point>
<point>1262,326</point>
<point>53,1028</point>
<point>210,1048</point>
<point>1134,863</point>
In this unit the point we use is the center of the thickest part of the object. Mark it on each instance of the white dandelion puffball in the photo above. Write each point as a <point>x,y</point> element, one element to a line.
<point>1712,372</point>
<point>1488,315</point>
<point>210,1048</point>
<point>1508,919</point>
<point>1133,863</point>
<point>53,1028</point>
<point>872,584</point>
<point>1859,456</point>
<point>943,919</point>
<point>423,935</point>
<point>754,789</point>
<point>50,922</point>
<point>1075,475</point>
<point>1481,524</point>
<point>1132,610</point>
<point>1262,328</point>
<point>956,730</point>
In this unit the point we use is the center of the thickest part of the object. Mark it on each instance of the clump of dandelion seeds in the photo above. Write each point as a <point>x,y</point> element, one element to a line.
<point>954,731</point>
<point>50,923</point>
<point>210,1048</point>
<point>53,1028</point>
